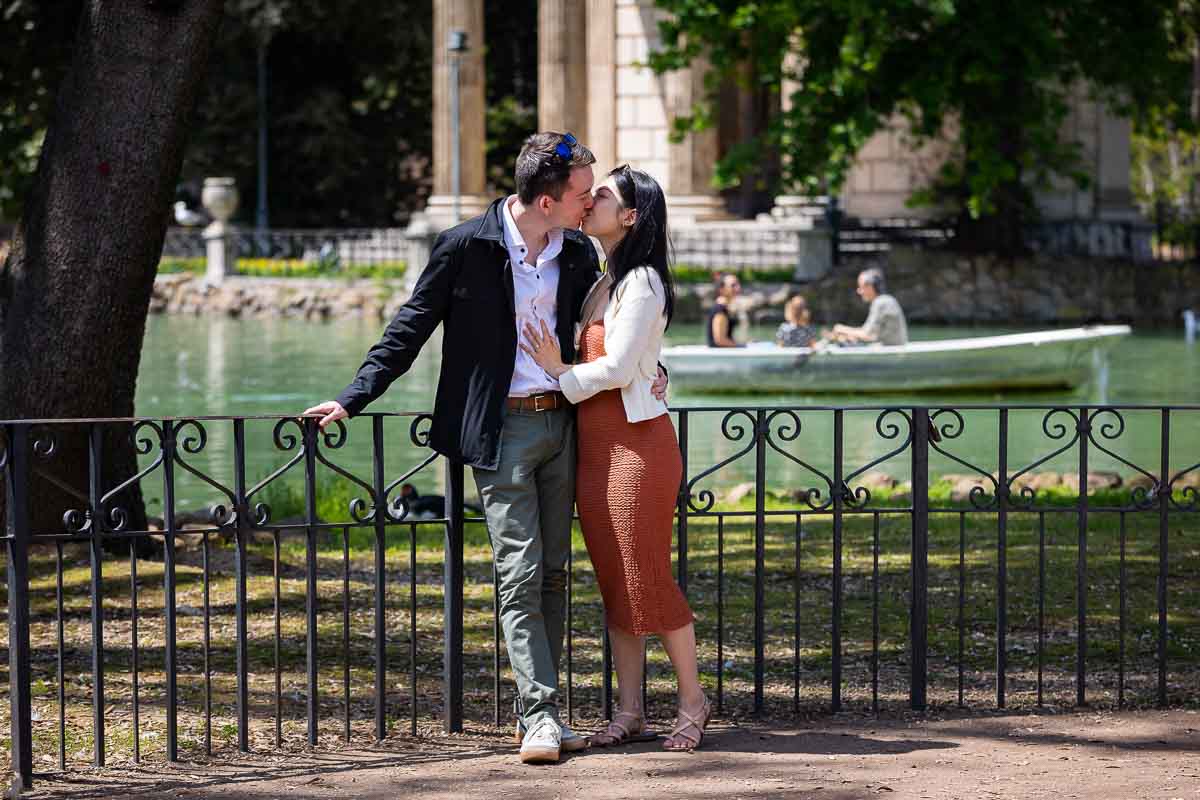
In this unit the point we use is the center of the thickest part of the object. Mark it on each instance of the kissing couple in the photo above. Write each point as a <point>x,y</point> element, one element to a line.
<point>550,389</point>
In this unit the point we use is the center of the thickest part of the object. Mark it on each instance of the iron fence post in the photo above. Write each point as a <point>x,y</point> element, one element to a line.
<point>1081,567</point>
<point>760,538</point>
<point>919,611</point>
<point>453,608</point>
<point>241,535</point>
<point>170,660</point>
<point>19,675</point>
<point>682,504</point>
<point>835,627</point>
<point>1002,565</point>
<point>312,600</point>
<point>380,520</point>
<point>1164,496</point>
<point>96,548</point>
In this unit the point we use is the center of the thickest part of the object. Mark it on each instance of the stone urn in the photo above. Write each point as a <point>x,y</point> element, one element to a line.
<point>220,199</point>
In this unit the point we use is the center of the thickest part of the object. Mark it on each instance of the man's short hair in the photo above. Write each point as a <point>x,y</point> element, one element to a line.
<point>873,276</point>
<point>540,170</point>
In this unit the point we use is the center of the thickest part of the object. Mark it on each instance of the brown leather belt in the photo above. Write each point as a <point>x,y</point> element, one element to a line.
<point>546,401</point>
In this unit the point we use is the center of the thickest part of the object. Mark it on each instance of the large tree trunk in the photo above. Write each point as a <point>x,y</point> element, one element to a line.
<point>75,289</point>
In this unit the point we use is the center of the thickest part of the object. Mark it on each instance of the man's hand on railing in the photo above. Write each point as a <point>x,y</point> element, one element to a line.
<point>329,411</point>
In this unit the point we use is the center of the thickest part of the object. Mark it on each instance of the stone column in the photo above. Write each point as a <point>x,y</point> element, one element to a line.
<point>464,15</point>
<point>1114,197</point>
<point>601,100</point>
<point>562,68</point>
<point>690,196</point>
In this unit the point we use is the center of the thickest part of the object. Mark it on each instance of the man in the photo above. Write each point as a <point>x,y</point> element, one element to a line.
<point>521,262</point>
<point>885,319</point>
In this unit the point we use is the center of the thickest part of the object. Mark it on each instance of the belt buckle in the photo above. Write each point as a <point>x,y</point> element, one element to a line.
<point>536,402</point>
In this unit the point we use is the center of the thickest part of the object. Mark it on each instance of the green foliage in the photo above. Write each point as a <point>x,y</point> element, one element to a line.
<point>284,268</point>
<point>690,273</point>
<point>349,103</point>
<point>1166,174</point>
<point>36,37</point>
<point>508,123</point>
<point>997,79</point>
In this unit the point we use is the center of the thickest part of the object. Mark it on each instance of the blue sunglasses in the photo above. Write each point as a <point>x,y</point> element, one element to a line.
<point>564,148</point>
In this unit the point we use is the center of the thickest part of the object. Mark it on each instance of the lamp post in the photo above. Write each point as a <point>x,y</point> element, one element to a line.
<point>265,25</point>
<point>456,45</point>
<point>260,215</point>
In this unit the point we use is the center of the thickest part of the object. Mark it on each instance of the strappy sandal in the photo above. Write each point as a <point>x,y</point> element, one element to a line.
<point>626,727</point>
<point>684,722</point>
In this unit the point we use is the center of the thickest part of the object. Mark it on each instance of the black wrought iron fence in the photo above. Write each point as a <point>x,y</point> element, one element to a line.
<point>828,559</point>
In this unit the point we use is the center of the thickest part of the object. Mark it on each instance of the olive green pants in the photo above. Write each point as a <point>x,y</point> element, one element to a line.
<point>528,501</point>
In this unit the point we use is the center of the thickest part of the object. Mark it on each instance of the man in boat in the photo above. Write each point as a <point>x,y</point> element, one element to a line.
<point>885,319</point>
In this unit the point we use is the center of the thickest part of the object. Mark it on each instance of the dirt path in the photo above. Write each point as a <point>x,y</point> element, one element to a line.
<point>1077,755</point>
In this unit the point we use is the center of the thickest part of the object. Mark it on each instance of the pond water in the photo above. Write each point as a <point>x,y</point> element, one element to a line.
<point>200,366</point>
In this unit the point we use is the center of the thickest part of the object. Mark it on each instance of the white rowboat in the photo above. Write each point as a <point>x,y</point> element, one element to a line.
<point>1039,359</point>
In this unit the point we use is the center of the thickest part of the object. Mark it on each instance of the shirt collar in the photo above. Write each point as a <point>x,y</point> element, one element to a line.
<point>516,242</point>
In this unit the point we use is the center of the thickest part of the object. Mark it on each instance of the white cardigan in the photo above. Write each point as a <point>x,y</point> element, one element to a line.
<point>634,322</point>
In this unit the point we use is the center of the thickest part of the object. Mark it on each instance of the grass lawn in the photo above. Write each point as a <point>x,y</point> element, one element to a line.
<point>798,605</point>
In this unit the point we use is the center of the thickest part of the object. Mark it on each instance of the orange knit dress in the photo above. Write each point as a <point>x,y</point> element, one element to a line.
<point>626,486</point>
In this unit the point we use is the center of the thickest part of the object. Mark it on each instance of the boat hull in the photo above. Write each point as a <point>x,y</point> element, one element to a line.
<point>1038,360</point>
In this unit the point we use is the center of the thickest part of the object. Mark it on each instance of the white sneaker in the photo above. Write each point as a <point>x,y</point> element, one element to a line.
<point>570,741</point>
<point>542,743</point>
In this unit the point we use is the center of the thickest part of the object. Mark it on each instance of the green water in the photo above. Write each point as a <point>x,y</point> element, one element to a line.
<point>199,366</point>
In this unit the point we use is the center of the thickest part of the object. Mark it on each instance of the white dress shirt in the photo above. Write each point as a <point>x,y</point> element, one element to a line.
<point>535,300</point>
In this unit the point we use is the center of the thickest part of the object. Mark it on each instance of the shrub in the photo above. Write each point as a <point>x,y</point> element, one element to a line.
<point>693,274</point>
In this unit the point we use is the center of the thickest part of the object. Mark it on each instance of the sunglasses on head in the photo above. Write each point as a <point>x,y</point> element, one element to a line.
<point>565,147</point>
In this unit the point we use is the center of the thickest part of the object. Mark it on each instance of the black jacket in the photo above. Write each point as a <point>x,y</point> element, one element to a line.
<point>468,286</point>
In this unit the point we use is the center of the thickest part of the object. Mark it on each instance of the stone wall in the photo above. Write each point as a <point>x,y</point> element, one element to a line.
<point>942,287</point>
<point>933,287</point>
<point>278,297</point>
<point>946,288</point>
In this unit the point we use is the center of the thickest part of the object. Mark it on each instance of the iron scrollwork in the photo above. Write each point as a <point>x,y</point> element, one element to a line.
<point>1190,497</point>
<point>788,431</point>
<point>734,432</point>
<point>1055,431</point>
<point>118,518</point>
<point>284,441</point>
<point>360,510</point>
<point>193,444</point>
<point>44,446</point>
<point>1111,430</point>
<point>951,429</point>
<point>396,508</point>
<point>860,497</point>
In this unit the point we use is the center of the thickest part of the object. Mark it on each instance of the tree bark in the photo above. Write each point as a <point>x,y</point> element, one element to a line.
<point>75,289</point>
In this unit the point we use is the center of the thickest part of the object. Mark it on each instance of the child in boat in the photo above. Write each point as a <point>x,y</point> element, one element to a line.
<point>797,329</point>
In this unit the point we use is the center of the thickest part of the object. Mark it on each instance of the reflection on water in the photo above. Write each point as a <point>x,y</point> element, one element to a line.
<point>217,366</point>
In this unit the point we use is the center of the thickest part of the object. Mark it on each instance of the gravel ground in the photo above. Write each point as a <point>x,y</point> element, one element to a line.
<point>1082,754</point>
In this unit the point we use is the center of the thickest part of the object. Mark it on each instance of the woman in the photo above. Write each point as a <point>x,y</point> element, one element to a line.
<point>721,321</point>
<point>629,466</point>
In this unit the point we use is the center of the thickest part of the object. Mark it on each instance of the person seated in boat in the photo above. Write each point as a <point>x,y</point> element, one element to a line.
<point>797,329</point>
<point>721,320</point>
<point>885,319</point>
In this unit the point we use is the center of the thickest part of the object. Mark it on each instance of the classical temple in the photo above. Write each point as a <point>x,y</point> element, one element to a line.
<point>591,81</point>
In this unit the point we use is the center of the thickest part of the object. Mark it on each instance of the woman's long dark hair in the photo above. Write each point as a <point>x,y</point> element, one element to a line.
<point>646,243</point>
